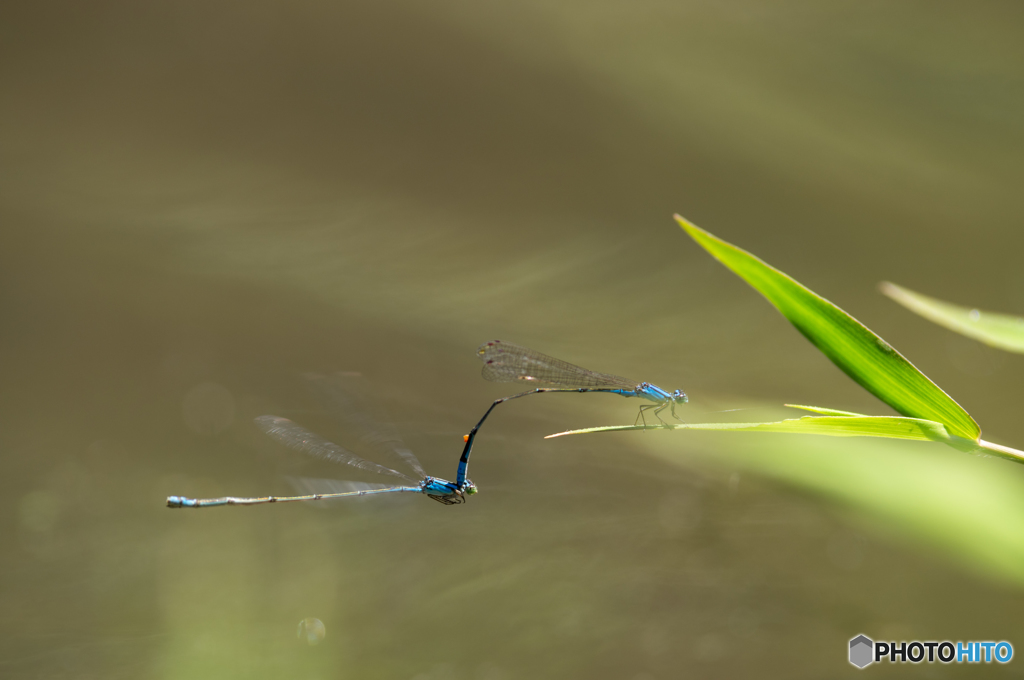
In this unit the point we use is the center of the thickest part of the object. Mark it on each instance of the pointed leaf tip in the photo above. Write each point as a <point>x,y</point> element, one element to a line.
<point>853,347</point>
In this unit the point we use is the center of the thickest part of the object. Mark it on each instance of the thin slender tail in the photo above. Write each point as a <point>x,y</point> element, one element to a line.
<point>182,502</point>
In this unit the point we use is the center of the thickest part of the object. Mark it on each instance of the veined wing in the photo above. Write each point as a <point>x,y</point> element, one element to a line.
<point>343,403</point>
<point>509,362</point>
<point>301,439</point>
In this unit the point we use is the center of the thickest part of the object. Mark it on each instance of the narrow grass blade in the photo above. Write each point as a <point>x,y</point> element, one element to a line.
<point>892,427</point>
<point>825,411</point>
<point>860,353</point>
<point>998,330</point>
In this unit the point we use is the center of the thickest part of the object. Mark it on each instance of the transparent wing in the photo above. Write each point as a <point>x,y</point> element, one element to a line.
<point>301,439</point>
<point>343,403</point>
<point>509,362</point>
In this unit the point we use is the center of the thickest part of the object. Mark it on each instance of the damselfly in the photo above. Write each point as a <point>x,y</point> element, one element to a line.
<point>381,436</point>
<point>509,362</point>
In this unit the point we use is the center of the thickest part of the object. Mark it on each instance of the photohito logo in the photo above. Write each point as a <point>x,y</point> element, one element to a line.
<point>865,651</point>
<point>861,651</point>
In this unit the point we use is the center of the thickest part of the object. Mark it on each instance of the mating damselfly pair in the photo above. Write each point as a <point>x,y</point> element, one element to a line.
<point>503,362</point>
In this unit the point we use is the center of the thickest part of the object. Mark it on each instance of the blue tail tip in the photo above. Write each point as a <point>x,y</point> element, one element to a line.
<point>175,501</point>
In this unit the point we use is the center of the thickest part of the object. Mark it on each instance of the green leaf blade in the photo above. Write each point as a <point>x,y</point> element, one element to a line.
<point>1003,331</point>
<point>855,349</point>
<point>821,410</point>
<point>890,427</point>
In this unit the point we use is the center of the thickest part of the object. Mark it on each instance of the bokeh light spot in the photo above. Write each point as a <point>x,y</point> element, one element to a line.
<point>312,631</point>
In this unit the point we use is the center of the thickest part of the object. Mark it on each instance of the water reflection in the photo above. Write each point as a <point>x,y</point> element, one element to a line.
<point>204,202</point>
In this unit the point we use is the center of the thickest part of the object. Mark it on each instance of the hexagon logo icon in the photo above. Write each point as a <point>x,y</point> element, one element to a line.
<point>861,651</point>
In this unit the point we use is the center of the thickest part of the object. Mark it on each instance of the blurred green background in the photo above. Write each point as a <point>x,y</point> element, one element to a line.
<point>200,201</point>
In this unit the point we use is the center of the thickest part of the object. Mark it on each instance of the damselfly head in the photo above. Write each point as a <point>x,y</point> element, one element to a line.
<point>470,488</point>
<point>679,397</point>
